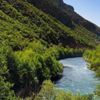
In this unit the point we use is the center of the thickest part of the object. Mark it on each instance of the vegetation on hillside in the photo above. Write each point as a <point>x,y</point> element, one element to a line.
<point>65,13</point>
<point>28,22</point>
<point>31,43</point>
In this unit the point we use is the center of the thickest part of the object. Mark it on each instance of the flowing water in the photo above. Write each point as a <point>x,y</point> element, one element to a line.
<point>77,77</point>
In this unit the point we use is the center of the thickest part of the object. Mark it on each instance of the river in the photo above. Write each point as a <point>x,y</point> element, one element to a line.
<point>77,77</point>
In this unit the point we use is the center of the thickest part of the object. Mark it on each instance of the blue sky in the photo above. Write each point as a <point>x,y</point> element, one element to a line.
<point>89,9</point>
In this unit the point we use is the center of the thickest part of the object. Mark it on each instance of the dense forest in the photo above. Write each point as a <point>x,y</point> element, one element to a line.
<point>31,43</point>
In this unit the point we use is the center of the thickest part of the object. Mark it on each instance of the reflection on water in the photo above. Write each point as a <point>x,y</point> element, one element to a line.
<point>77,77</point>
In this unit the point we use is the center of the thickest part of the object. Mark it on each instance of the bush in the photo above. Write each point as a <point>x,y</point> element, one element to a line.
<point>93,57</point>
<point>5,90</point>
<point>49,92</point>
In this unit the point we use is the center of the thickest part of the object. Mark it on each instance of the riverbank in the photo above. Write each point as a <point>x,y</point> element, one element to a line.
<point>49,90</point>
<point>93,57</point>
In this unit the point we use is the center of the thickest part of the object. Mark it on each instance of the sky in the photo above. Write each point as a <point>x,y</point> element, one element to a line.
<point>89,9</point>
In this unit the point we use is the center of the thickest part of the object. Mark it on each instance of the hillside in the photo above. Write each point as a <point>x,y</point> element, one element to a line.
<point>44,26</point>
<point>65,13</point>
<point>32,40</point>
<point>68,10</point>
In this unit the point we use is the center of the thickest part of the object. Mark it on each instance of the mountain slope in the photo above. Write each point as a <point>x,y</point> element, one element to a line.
<point>44,26</point>
<point>66,12</point>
